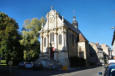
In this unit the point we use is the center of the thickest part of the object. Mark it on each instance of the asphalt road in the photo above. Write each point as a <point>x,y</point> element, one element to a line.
<point>76,72</point>
<point>86,72</point>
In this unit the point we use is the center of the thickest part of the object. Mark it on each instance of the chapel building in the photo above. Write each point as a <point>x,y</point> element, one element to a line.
<point>61,40</point>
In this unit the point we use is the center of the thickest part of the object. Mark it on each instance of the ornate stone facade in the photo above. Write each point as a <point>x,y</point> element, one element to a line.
<point>59,36</point>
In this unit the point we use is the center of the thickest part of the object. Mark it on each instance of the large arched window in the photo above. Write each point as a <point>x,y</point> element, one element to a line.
<point>60,39</point>
<point>51,37</point>
<point>45,42</point>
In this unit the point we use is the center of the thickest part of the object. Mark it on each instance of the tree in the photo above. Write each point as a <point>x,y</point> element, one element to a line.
<point>10,48</point>
<point>30,37</point>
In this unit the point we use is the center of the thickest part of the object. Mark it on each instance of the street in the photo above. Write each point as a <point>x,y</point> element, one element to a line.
<point>75,72</point>
<point>87,72</point>
<point>79,72</point>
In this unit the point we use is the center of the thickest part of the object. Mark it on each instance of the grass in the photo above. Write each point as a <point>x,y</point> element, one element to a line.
<point>3,63</point>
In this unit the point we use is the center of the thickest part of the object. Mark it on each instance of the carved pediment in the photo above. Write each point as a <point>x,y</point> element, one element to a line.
<point>51,18</point>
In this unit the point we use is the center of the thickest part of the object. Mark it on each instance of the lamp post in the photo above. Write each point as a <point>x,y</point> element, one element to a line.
<point>113,39</point>
<point>113,27</point>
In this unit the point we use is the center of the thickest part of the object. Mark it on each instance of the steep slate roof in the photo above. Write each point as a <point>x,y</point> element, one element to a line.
<point>113,37</point>
<point>68,24</point>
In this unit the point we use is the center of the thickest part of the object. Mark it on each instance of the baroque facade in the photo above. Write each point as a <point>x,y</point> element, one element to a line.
<point>61,41</point>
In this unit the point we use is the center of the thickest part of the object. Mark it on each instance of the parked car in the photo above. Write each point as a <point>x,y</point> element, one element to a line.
<point>111,61</point>
<point>37,66</point>
<point>28,65</point>
<point>25,65</point>
<point>109,71</point>
<point>21,64</point>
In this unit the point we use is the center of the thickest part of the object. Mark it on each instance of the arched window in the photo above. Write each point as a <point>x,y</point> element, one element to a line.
<point>60,39</point>
<point>44,42</point>
<point>51,37</point>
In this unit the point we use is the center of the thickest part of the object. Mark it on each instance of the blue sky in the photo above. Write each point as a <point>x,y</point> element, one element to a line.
<point>95,17</point>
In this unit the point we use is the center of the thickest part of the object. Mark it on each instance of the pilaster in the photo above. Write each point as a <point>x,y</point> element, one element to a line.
<point>41,43</point>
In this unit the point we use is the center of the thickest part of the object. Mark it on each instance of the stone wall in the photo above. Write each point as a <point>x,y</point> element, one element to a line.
<point>62,57</point>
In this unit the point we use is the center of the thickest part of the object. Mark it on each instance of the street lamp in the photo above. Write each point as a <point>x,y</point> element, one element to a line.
<point>113,27</point>
<point>113,38</point>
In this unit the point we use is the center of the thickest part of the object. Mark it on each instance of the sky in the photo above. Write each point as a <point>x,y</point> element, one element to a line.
<point>95,17</point>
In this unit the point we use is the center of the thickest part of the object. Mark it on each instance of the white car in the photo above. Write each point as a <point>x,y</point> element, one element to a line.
<point>111,61</point>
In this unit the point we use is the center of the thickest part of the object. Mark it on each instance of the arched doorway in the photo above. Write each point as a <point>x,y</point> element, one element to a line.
<point>52,49</point>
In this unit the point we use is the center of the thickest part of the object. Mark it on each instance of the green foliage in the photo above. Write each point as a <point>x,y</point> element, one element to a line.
<point>10,48</point>
<point>30,37</point>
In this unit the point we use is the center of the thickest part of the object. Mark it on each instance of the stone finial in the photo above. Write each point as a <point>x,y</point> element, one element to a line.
<point>51,7</point>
